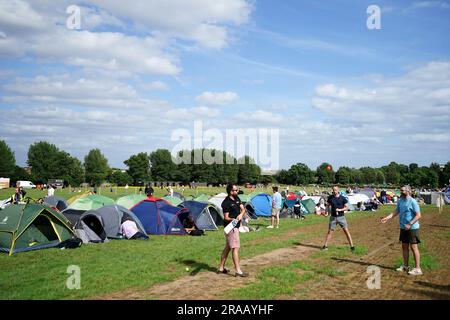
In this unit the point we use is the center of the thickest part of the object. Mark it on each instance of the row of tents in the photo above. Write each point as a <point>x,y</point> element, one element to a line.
<point>95,218</point>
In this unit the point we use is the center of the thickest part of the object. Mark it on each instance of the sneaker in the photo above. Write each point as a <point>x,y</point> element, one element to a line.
<point>415,272</point>
<point>402,269</point>
<point>352,248</point>
<point>224,271</point>
<point>269,227</point>
<point>324,248</point>
<point>277,227</point>
<point>243,274</point>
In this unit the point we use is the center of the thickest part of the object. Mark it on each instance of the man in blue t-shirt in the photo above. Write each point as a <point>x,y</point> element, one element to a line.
<point>409,212</point>
<point>338,205</point>
<point>276,207</point>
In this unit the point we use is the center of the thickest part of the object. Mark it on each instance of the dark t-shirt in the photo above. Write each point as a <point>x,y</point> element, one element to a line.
<point>233,207</point>
<point>337,203</point>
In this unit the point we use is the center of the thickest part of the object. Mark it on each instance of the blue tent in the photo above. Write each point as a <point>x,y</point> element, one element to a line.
<point>202,214</point>
<point>262,205</point>
<point>160,217</point>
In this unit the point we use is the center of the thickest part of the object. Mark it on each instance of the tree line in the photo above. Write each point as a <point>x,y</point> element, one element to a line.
<point>49,162</point>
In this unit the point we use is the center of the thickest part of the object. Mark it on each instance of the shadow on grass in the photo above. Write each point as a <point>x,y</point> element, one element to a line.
<point>438,226</point>
<point>196,266</point>
<point>362,263</point>
<point>307,245</point>
<point>434,286</point>
<point>432,294</point>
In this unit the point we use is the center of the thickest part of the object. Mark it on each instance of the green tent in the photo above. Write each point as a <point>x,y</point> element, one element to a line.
<point>25,227</point>
<point>173,200</point>
<point>130,200</point>
<point>244,197</point>
<point>201,198</point>
<point>309,205</point>
<point>91,202</point>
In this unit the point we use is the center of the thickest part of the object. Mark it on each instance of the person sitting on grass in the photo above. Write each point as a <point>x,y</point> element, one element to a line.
<point>130,230</point>
<point>191,228</point>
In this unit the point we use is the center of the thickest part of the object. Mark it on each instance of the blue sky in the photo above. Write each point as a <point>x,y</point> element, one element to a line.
<point>136,71</point>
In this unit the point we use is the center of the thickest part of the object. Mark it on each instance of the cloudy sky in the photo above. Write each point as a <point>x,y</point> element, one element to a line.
<point>136,71</point>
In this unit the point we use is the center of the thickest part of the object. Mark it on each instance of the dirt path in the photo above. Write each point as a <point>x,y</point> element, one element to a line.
<point>394,285</point>
<point>383,251</point>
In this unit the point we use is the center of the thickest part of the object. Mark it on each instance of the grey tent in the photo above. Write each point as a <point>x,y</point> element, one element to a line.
<point>179,196</point>
<point>201,213</point>
<point>104,223</point>
<point>57,203</point>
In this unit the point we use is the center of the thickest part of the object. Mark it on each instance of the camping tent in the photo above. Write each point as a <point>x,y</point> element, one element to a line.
<point>316,199</point>
<point>354,199</point>
<point>91,202</point>
<point>201,213</point>
<point>104,223</point>
<point>173,200</point>
<point>218,199</point>
<point>179,196</point>
<point>57,203</point>
<point>309,205</point>
<point>160,217</point>
<point>130,200</point>
<point>201,198</point>
<point>262,204</point>
<point>26,227</point>
<point>368,192</point>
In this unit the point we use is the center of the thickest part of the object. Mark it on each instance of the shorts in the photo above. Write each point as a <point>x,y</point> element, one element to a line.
<point>275,212</point>
<point>409,236</point>
<point>337,220</point>
<point>232,239</point>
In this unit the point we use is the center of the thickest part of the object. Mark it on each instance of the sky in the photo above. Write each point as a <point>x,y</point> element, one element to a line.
<point>133,74</point>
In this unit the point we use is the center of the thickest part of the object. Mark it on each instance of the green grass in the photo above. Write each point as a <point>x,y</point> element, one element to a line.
<point>428,261</point>
<point>282,281</point>
<point>120,265</point>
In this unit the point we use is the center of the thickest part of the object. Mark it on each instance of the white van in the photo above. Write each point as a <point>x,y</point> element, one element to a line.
<point>25,184</point>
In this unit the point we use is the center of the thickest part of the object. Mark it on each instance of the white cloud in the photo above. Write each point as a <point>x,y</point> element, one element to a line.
<point>156,85</point>
<point>217,98</point>
<point>431,4</point>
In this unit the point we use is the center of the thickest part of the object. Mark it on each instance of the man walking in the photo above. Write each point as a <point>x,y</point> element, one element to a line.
<point>338,205</point>
<point>232,208</point>
<point>276,207</point>
<point>409,212</point>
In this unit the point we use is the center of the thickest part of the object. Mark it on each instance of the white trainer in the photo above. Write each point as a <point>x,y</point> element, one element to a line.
<point>403,269</point>
<point>269,227</point>
<point>415,272</point>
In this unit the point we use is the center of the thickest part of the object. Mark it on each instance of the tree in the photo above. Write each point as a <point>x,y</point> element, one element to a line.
<point>248,170</point>
<point>379,176</point>
<point>138,167</point>
<point>69,169</point>
<point>392,175</point>
<point>162,166</point>
<point>343,175</point>
<point>96,167</point>
<point>369,175</point>
<point>7,160</point>
<point>356,176</point>
<point>42,157</point>
<point>445,177</point>
<point>120,178</point>
<point>300,174</point>
<point>325,173</point>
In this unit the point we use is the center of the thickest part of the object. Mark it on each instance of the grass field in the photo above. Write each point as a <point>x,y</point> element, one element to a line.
<point>129,269</point>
